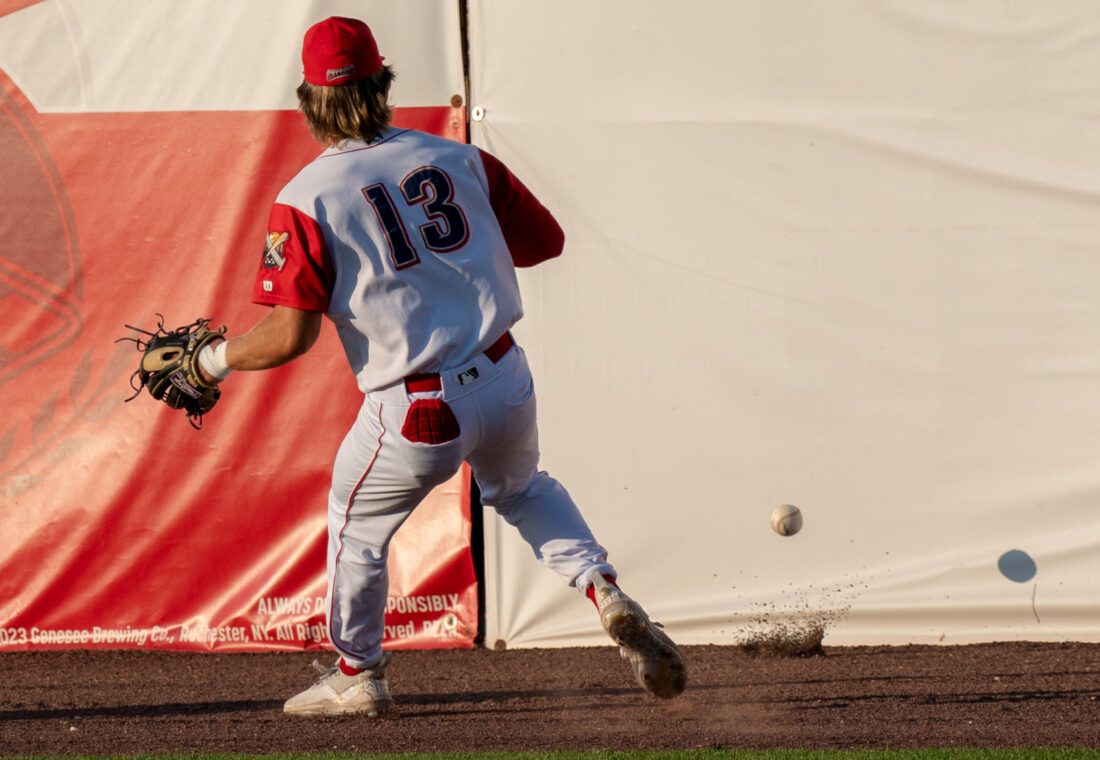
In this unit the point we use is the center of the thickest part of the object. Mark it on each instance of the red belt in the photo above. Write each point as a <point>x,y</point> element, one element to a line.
<point>427,382</point>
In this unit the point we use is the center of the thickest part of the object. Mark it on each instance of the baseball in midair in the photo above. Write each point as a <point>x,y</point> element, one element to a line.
<point>786,519</point>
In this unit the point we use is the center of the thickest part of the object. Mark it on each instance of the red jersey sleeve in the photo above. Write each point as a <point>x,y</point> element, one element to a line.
<point>532,233</point>
<point>296,268</point>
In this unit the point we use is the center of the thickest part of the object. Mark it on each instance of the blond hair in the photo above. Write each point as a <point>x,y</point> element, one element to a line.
<point>355,111</point>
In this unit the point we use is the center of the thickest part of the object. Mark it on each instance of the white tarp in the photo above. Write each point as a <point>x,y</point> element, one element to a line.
<point>844,255</point>
<point>206,55</point>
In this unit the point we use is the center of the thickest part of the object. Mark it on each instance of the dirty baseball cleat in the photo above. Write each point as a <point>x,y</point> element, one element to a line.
<point>339,694</point>
<point>657,662</point>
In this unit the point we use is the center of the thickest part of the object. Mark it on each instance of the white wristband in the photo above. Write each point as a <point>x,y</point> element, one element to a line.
<point>212,359</point>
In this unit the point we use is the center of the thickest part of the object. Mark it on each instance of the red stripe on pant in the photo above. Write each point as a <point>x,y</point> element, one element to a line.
<point>340,537</point>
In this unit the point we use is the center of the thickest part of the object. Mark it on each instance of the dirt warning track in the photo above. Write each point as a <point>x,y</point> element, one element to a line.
<point>996,695</point>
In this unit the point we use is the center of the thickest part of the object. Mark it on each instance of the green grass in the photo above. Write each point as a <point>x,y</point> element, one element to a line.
<point>694,754</point>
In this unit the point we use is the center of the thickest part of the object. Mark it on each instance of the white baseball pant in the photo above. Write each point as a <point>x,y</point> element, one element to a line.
<point>380,477</point>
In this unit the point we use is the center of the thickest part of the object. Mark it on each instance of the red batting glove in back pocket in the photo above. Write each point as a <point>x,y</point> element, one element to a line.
<point>430,420</point>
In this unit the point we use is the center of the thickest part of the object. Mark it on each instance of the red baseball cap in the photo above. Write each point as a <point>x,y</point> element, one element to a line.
<point>339,50</point>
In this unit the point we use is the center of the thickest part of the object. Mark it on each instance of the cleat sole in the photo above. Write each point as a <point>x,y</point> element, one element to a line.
<point>657,663</point>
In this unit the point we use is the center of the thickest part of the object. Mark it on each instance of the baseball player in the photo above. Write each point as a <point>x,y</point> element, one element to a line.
<point>408,243</point>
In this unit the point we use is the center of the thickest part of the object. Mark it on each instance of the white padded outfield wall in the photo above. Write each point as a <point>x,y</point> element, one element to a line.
<point>92,56</point>
<point>840,254</point>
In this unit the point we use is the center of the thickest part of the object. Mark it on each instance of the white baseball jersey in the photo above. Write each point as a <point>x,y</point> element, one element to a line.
<point>409,245</point>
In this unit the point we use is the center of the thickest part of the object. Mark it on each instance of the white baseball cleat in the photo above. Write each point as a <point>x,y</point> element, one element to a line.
<point>657,662</point>
<point>339,694</point>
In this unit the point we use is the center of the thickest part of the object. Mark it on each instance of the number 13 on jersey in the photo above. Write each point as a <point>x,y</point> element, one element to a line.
<point>430,189</point>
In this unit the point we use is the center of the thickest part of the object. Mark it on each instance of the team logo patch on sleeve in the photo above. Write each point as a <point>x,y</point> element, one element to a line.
<point>274,258</point>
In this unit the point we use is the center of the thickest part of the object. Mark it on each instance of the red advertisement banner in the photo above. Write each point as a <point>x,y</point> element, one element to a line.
<point>120,526</point>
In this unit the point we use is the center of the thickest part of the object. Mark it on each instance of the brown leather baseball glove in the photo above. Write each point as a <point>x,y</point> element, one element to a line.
<point>169,367</point>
